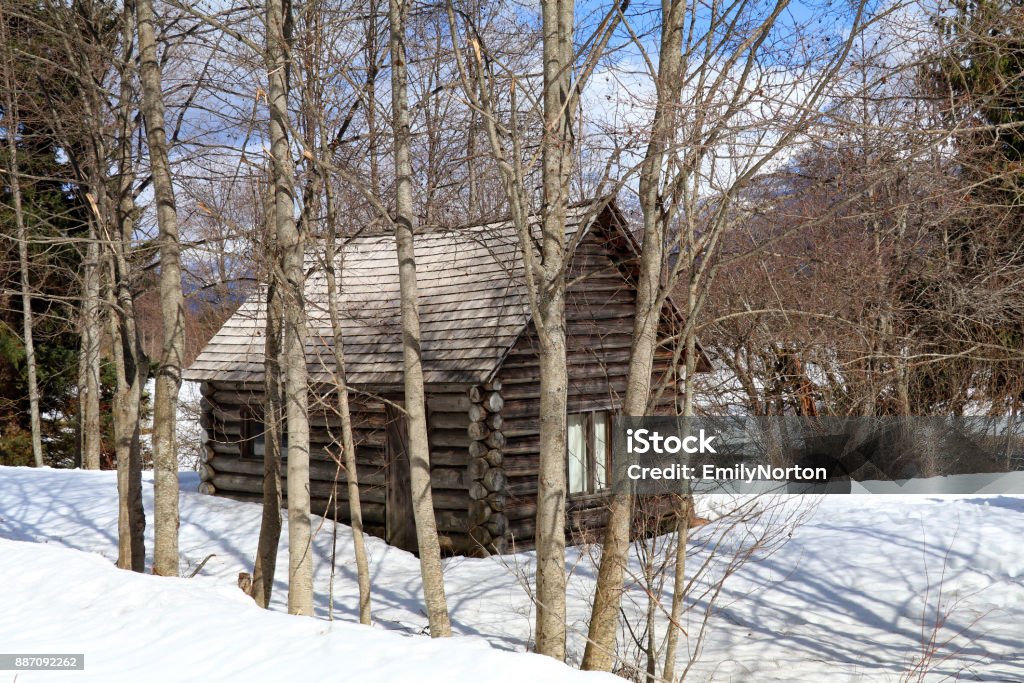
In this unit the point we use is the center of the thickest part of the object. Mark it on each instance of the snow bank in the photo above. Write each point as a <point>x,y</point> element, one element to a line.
<point>846,600</point>
<point>136,627</point>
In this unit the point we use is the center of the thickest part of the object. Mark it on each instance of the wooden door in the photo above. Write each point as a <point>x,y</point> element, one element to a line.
<point>400,528</point>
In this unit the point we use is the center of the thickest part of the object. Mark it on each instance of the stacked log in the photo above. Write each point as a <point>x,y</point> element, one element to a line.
<point>485,474</point>
<point>206,470</point>
<point>224,472</point>
<point>447,418</point>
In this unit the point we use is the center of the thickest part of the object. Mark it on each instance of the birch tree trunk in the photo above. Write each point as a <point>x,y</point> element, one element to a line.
<point>290,242</point>
<point>130,363</point>
<point>270,524</point>
<point>13,173</point>
<point>130,368</point>
<point>345,414</point>
<point>600,650</point>
<point>168,375</point>
<point>678,586</point>
<point>415,405</point>
<point>89,366</point>
<point>557,17</point>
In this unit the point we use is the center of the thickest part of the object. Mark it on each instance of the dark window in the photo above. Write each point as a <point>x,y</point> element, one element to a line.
<point>253,438</point>
<point>588,446</point>
<point>251,445</point>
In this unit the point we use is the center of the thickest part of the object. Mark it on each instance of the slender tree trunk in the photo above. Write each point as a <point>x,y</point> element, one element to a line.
<point>557,17</point>
<point>13,172</point>
<point>473,206</point>
<point>89,367</point>
<point>130,363</point>
<point>372,66</point>
<point>270,525</point>
<point>415,401</point>
<point>345,414</point>
<point>290,242</point>
<point>684,511</point>
<point>678,586</point>
<point>600,650</point>
<point>130,368</point>
<point>168,376</point>
<point>95,171</point>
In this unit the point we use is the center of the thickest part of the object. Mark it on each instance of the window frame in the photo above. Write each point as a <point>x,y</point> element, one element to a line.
<point>590,461</point>
<point>252,431</point>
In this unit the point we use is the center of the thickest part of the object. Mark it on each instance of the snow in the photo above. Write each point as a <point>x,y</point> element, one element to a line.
<point>847,598</point>
<point>145,628</point>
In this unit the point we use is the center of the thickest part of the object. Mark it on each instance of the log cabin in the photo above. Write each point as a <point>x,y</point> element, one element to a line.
<point>479,351</point>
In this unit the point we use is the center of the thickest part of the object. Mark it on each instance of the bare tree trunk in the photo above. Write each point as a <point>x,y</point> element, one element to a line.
<point>290,242</point>
<point>13,172</point>
<point>130,368</point>
<point>678,586</point>
<point>345,415</point>
<point>372,66</point>
<point>557,162</point>
<point>472,182</point>
<point>168,376</point>
<point>415,401</point>
<point>686,499</point>
<point>130,363</point>
<point>89,367</point>
<point>600,651</point>
<point>270,525</point>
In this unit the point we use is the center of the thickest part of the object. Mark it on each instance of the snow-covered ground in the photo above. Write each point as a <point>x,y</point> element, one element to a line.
<point>849,597</point>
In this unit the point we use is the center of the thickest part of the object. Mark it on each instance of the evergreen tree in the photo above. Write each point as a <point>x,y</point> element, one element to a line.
<point>55,215</point>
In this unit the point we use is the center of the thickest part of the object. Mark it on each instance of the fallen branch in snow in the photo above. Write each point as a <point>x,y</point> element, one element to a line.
<point>201,565</point>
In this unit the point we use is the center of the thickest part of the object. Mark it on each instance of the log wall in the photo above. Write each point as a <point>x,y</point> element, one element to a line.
<point>599,321</point>
<point>225,472</point>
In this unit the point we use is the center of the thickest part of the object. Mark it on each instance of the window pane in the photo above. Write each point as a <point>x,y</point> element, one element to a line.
<point>577,447</point>
<point>251,445</point>
<point>600,450</point>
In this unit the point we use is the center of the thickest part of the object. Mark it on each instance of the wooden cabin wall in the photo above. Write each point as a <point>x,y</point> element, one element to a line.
<point>224,472</point>
<point>453,419</point>
<point>599,320</point>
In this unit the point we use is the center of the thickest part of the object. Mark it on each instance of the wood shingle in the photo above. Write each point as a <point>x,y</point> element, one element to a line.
<point>472,301</point>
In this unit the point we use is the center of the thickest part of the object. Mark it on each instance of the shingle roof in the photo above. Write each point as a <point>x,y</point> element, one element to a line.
<point>472,302</point>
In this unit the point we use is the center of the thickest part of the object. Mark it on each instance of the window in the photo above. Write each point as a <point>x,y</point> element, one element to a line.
<point>252,445</point>
<point>588,449</point>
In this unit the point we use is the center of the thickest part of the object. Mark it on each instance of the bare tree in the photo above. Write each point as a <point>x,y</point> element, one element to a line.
<point>494,91</point>
<point>270,525</point>
<point>348,447</point>
<point>103,159</point>
<point>131,366</point>
<point>316,58</point>
<point>557,158</point>
<point>599,653</point>
<point>90,321</point>
<point>698,159</point>
<point>168,373</point>
<point>290,242</point>
<point>415,400</point>
<point>116,216</point>
<point>12,123</point>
